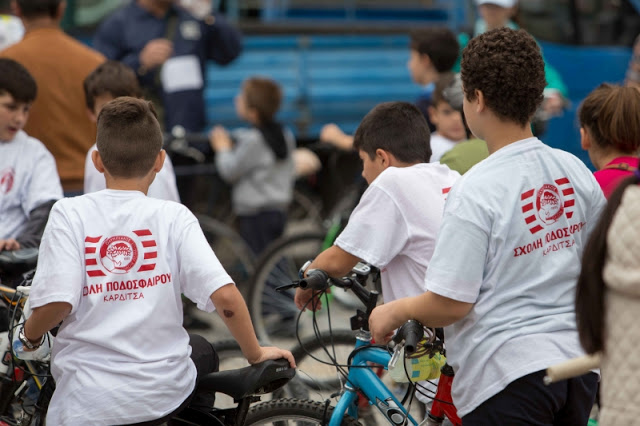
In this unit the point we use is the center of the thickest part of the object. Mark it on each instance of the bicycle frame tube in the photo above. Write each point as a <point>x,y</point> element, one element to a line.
<point>442,403</point>
<point>368,382</point>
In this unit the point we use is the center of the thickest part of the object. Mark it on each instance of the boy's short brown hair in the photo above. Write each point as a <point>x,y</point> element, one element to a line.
<point>396,127</point>
<point>263,95</point>
<point>507,67</point>
<point>113,78</point>
<point>438,43</point>
<point>16,80</point>
<point>129,137</point>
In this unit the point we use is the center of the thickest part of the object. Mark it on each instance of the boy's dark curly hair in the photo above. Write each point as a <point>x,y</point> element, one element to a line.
<point>507,67</point>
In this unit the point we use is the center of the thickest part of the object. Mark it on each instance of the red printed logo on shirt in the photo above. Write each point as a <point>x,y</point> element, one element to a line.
<point>7,176</point>
<point>545,205</point>
<point>120,254</point>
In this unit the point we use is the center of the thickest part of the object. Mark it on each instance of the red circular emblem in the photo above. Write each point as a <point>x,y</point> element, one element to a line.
<point>549,204</point>
<point>118,254</point>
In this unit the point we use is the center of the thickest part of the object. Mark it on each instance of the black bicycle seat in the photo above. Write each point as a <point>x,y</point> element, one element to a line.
<point>257,379</point>
<point>18,261</point>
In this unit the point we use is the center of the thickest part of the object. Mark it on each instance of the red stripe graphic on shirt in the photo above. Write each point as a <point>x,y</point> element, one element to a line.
<point>150,250</point>
<point>90,258</point>
<point>527,194</point>
<point>545,205</point>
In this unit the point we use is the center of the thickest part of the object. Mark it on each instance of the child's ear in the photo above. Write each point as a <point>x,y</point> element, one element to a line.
<point>585,139</point>
<point>384,157</point>
<point>97,161</point>
<point>159,163</point>
<point>433,116</point>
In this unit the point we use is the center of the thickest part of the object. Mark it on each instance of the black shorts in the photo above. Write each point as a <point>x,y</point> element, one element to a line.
<point>528,401</point>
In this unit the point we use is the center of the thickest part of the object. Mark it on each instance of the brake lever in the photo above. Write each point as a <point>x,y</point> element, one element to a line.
<point>294,284</point>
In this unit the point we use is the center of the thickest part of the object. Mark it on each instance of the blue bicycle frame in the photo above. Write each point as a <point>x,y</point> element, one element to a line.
<point>361,377</point>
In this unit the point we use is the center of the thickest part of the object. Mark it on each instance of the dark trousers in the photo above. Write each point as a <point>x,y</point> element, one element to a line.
<point>260,229</point>
<point>528,401</point>
<point>206,360</point>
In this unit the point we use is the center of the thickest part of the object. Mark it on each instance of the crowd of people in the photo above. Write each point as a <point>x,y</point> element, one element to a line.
<point>476,224</point>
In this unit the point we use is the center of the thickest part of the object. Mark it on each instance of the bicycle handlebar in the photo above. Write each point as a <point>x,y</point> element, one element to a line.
<point>411,332</point>
<point>572,368</point>
<point>316,279</point>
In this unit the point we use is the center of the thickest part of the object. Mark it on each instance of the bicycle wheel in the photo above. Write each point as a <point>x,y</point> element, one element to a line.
<point>314,359</point>
<point>293,412</point>
<point>274,314</point>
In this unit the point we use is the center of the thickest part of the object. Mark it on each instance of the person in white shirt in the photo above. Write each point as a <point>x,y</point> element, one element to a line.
<point>447,120</point>
<point>108,81</point>
<point>29,181</point>
<point>502,279</point>
<point>395,224</point>
<point>112,267</point>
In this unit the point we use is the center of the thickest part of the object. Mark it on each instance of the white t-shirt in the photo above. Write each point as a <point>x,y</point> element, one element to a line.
<point>11,30</point>
<point>28,178</point>
<point>122,261</point>
<point>511,242</point>
<point>163,186</point>
<point>440,146</point>
<point>395,224</point>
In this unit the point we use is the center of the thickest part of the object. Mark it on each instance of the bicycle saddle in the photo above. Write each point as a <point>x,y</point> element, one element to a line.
<point>18,261</point>
<point>257,379</point>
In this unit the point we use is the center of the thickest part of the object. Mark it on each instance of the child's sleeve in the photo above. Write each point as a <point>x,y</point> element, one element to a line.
<point>377,230</point>
<point>60,273</point>
<point>201,273</point>
<point>248,154</point>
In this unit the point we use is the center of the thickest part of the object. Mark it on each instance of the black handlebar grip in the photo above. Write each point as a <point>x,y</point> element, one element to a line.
<point>413,333</point>
<point>315,280</point>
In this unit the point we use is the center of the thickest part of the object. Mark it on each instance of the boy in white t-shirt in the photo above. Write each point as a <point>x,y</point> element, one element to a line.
<point>395,223</point>
<point>29,181</point>
<point>112,267</point>
<point>503,275</point>
<point>447,120</point>
<point>108,81</point>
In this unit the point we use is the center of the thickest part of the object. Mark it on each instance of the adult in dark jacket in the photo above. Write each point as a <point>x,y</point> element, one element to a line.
<point>168,48</point>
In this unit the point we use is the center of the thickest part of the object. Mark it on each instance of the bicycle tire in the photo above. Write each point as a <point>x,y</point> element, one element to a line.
<point>342,340</point>
<point>281,411</point>
<point>279,266</point>
<point>274,314</point>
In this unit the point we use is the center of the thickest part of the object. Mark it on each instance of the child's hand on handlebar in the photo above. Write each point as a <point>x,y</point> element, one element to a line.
<point>384,320</point>
<point>303,299</point>
<point>271,352</point>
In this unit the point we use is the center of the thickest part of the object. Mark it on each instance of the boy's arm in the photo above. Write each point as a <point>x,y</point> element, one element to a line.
<point>35,225</point>
<point>233,311</point>
<point>44,318</point>
<point>334,261</point>
<point>429,308</point>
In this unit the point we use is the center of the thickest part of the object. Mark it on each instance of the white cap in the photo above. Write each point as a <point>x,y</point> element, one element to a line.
<point>501,3</point>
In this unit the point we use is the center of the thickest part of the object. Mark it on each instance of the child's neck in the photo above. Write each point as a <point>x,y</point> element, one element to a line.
<point>499,135</point>
<point>128,184</point>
